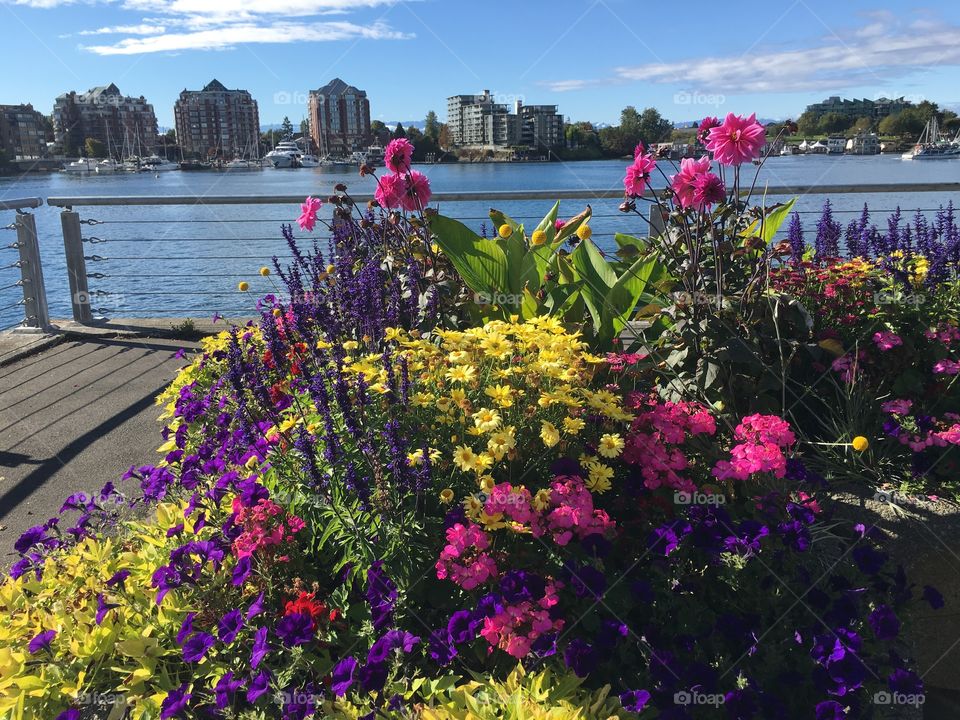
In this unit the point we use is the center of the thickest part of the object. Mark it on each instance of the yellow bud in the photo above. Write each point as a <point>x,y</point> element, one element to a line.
<point>243,286</point>
<point>330,269</point>
<point>264,271</point>
<point>584,232</point>
<point>446,496</point>
<point>505,231</point>
<point>277,312</point>
<point>860,443</point>
<point>539,237</point>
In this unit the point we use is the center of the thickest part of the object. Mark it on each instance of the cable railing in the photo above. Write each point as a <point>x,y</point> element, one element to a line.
<point>181,256</point>
<point>23,301</point>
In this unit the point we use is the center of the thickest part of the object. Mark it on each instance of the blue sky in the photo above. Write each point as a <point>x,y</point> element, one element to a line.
<point>590,57</point>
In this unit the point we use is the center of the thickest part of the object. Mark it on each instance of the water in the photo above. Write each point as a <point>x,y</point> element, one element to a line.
<point>180,260</point>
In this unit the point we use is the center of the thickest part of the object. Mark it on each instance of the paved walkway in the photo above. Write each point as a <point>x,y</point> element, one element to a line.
<point>74,416</point>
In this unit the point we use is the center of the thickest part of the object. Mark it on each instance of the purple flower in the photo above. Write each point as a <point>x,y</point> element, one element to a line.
<point>580,657</point>
<point>441,648</point>
<point>884,622</point>
<point>462,627</point>
<point>342,675</point>
<point>186,628</point>
<point>118,578</point>
<point>393,640</point>
<point>197,646</point>
<point>260,647</point>
<point>905,682</point>
<point>175,703</point>
<point>229,626</point>
<point>241,571</point>
<point>36,535</point>
<point>829,710</point>
<point>933,596</point>
<point>588,582</point>
<point>869,561</point>
<point>259,686</point>
<point>295,629</point>
<point>634,700</point>
<point>381,595</point>
<point>256,607</point>
<point>225,689</point>
<point>70,714</point>
<point>41,641</point>
<point>103,608</point>
<point>519,585</point>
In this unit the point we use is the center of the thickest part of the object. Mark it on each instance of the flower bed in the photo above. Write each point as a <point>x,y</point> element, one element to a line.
<point>387,499</point>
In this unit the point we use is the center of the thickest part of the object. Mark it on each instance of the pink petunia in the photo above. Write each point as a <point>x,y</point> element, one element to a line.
<point>946,367</point>
<point>737,140</point>
<point>399,155</point>
<point>308,213</point>
<point>886,340</point>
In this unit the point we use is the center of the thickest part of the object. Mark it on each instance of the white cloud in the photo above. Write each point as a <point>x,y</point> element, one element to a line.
<point>243,33</point>
<point>125,30</point>
<point>870,55</point>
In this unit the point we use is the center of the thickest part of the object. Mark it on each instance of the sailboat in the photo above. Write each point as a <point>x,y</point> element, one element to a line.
<point>931,145</point>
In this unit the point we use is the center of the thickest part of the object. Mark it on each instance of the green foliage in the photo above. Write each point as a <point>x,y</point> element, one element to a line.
<point>94,148</point>
<point>286,129</point>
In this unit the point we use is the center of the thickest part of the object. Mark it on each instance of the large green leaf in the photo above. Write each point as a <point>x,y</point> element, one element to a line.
<point>482,263</point>
<point>766,227</point>
<point>621,301</point>
<point>596,278</point>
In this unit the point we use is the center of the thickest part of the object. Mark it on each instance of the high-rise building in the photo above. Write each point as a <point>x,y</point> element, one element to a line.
<point>339,116</point>
<point>216,122</point>
<point>479,121</point>
<point>125,125</point>
<point>879,108</point>
<point>22,132</point>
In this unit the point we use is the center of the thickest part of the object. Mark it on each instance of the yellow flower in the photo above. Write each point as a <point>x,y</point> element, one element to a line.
<point>482,462</point>
<point>502,395</point>
<point>573,425</point>
<point>541,501</point>
<point>860,443</point>
<point>502,442</point>
<point>462,374</point>
<point>599,477</point>
<point>584,232</point>
<point>505,231</point>
<point>277,312</point>
<point>330,269</point>
<point>446,496</point>
<point>458,356</point>
<point>423,399</point>
<point>265,271</point>
<point>486,419</point>
<point>549,434</point>
<point>539,237</point>
<point>496,346</point>
<point>464,458</point>
<point>351,345</point>
<point>415,458</point>
<point>487,483</point>
<point>444,404</point>
<point>243,286</point>
<point>611,445</point>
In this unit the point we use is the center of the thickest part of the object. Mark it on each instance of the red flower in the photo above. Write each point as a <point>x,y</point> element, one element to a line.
<point>305,604</point>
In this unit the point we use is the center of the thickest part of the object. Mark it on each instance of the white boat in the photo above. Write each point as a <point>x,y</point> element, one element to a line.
<point>376,156</point>
<point>108,166</point>
<point>818,148</point>
<point>309,161</point>
<point>131,164</point>
<point>155,163</point>
<point>285,155</point>
<point>788,150</point>
<point>241,164</point>
<point>81,166</point>
<point>931,145</point>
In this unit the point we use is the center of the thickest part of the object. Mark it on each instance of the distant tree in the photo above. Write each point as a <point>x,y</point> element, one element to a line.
<point>926,110</point>
<point>286,129</point>
<point>653,127</point>
<point>833,122</point>
<point>909,122</point>
<point>414,135</point>
<point>615,142</point>
<point>431,126</point>
<point>808,123</point>
<point>94,148</point>
<point>171,135</point>
<point>863,124</point>
<point>377,126</point>
<point>445,136</point>
<point>399,132</point>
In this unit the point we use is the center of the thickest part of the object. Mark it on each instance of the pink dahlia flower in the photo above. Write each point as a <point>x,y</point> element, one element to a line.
<point>391,191</point>
<point>704,128</point>
<point>684,182</point>
<point>707,190</point>
<point>399,155</point>
<point>417,193</point>
<point>308,213</point>
<point>737,140</point>
<point>638,174</point>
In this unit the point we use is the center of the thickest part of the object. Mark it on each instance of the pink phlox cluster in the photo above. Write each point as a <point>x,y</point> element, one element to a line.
<point>518,626</point>
<point>464,559</point>
<point>886,340</point>
<point>265,525</point>
<point>512,502</point>
<point>570,513</point>
<point>761,441</point>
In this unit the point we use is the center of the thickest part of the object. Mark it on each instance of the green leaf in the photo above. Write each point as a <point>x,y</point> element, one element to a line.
<point>482,263</point>
<point>770,223</point>
<point>549,223</point>
<point>621,301</point>
<point>596,278</point>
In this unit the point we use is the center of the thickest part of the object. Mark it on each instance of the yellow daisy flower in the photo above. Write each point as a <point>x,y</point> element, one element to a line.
<point>462,374</point>
<point>573,426</point>
<point>502,395</point>
<point>610,445</point>
<point>486,419</point>
<point>549,434</point>
<point>464,458</point>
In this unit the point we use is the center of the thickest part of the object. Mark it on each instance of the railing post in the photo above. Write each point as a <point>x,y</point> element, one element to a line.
<point>76,265</point>
<point>31,273</point>
<point>657,221</point>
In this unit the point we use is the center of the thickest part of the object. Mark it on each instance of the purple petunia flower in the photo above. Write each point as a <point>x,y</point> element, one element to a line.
<point>41,641</point>
<point>462,627</point>
<point>634,700</point>
<point>884,622</point>
<point>256,607</point>
<point>260,647</point>
<point>295,629</point>
<point>118,578</point>
<point>195,649</point>
<point>342,675</point>
<point>381,595</point>
<point>175,703</point>
<point>829,710</point>
<point>69,714</point>
<point>905,682</point>
<point>229,626</point>
<point>186,628</point>
<point>36,535</point>
<point>225,689</point>
<point>580,657</point>
<point>259,686</point>
<point>441,648</point>
<point>241,571</point>
<point>103,607</point>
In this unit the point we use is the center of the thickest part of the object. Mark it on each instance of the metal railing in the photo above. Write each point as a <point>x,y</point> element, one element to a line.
<point>183,255</point>
<point>23,298</point>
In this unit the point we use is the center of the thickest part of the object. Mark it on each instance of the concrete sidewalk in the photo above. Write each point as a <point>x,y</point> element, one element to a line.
<point>73,416</point>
